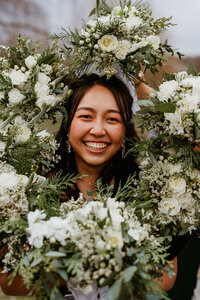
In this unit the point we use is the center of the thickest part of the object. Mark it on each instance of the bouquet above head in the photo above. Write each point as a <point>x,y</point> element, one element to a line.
<point>33,88</point>
<point>123,37</point>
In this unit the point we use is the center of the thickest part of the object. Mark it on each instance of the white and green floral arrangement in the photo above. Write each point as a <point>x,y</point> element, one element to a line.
<point>124,37</point>
<point>98,244</point>
<point>172,116</point>
<point>169,160</point>
<point>33,88</point>
<point>20,194</point>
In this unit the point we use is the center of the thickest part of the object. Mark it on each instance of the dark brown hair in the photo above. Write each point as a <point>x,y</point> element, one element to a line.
<point>117,168</point>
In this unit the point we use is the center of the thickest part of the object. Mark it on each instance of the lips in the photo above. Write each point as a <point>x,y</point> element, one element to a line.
<point>96,146</point>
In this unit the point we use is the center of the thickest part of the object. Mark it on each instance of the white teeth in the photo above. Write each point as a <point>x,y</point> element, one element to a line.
<point>96,145</point>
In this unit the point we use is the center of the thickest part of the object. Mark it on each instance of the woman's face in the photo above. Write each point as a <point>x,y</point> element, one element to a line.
<point>96,131</point>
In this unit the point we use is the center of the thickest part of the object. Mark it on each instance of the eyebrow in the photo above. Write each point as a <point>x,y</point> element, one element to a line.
<point>93,110</point>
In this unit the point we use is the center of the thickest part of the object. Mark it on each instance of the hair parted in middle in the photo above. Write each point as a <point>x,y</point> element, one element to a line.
<point>117,167</point>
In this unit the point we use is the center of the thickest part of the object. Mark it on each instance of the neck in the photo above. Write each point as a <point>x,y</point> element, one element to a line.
<point>90,175</point>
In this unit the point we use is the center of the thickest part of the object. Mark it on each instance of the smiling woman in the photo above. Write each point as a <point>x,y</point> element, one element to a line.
<point>100,113</point>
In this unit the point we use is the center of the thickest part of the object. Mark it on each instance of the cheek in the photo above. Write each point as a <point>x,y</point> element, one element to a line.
<point>118,134</point>
<point>76,130</point>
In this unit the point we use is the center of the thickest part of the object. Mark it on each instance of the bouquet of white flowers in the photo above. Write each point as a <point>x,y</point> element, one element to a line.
<point>169,185</point>
<point>19,195</point>
<point>33,87</point>
<point>123,37</point>
<point>172,117</point>
<point>169,195</point>
<point>98,243</point>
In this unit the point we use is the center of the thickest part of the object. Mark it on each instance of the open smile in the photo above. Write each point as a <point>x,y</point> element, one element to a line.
<point>98,146</point>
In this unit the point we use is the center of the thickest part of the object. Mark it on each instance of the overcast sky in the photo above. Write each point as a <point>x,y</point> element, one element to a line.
<point>184,36</point>
<point>186,14</point>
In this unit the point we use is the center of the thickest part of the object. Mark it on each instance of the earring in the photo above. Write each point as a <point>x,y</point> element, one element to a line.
<point>123,149</point>
<point>68,144</point>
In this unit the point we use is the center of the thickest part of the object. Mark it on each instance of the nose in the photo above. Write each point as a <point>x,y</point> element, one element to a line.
<point>98,128</point>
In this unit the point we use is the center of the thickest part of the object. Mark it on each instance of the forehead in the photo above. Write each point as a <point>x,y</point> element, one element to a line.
<point>98,96</point>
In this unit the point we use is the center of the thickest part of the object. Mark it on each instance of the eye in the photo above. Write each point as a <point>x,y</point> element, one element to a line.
<point>113,120</point>
<point>85,117</point>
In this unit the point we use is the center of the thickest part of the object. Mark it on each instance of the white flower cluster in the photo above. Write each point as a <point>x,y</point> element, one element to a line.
<point>23,82</point>
<point>184,93</point>
<point>117,36</point>
<point>19,131</point>
<point>129,20</point>
<point>177,192</point>
<point>94,230</point>
<point>13,200</point>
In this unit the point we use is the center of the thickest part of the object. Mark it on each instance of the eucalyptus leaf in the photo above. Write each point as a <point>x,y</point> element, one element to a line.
<point>114,290</point>
<point>118,257</point>
<point>184,230</point>
<point>153,296</point>
<point>166,107</point>
<point>36,262</point>
<point>63,274</point>
<point>197,132</point>
<point>145,103</point>
<point>191,69</point>
<point>55,254</point>
<point>128,273</point>
<point>57,296</point>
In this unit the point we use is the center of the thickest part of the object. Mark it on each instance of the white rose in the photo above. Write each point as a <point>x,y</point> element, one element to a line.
<point>108,43</point>
<point>174,168</point>
<point>154,41</point>
<point>105,20</point>
<point>177,185</point>
<point>166,90</point>
<point>92,23</point>
<point>132,22</point>
<point>51,100</point>
<point>47,69</point>
<point>15,96</point>
<point>115,238</point>
<point>186,200</point>
<point>24,135</point>
<point>30,62</point>
<point>17,77</point>
<point>139,45</point>
<point>41,89</point>
<point>169,206</point>
<point>122,49</point>
<point>43,78</point>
